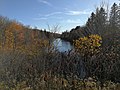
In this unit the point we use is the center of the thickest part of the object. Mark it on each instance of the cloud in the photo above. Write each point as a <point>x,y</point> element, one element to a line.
<point>42,18</point>
<point>56,17</point>
<point>45,2</point>
<point>71,13</point>
<point>54,13</point>
<point>49,16</point>
<point>71,21</point>
<point>75,13</point>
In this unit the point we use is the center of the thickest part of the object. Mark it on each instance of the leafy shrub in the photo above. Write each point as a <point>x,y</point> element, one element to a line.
<point>88,45</point>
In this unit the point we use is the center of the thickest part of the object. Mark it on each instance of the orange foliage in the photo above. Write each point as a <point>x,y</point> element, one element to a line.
<point>13,30</point>
<point>15,26</point>
<point>18,36</point>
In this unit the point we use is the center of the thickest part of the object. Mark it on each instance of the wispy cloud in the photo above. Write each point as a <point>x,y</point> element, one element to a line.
<point>42,18</point>
<point>74,13</point>
<point>45,2</point>
<point>71,21</point>
<point>49,16</point>
<point>57,15</point>
<point>54,13</point>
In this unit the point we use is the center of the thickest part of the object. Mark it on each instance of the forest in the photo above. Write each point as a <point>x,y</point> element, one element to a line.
<point>29,61</point>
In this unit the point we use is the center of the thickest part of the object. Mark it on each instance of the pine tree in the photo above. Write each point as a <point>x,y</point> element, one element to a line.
<point>114,16</point>
<point>91,24</point>
<point>100,21</point>
<point>118,16</point>
<point>97,22</point>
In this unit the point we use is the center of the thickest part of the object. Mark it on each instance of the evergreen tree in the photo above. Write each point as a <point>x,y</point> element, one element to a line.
<point>90,25</point>
<point>97,22</point>
<point>114,16</point>
<point>119,16</point>
<point>100,21</point>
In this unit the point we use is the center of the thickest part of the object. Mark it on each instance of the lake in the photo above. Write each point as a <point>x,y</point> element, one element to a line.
<point>62,45</point>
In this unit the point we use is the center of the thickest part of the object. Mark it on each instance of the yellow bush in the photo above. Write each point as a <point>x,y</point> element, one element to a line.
<point>88,45</point>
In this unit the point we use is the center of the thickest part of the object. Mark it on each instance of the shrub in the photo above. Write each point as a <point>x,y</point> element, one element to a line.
<point>88,45</point>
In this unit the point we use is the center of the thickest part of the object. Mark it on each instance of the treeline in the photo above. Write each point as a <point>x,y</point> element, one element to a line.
<point>14,34</point>
<point>100,22</point>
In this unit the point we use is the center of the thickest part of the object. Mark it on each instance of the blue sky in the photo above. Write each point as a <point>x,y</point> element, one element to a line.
<point>41,13</point>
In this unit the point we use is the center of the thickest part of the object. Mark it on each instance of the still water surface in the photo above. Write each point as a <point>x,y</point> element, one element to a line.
<point>62,45</point>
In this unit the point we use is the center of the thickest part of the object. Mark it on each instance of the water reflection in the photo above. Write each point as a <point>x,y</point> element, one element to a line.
<point>62,45</point>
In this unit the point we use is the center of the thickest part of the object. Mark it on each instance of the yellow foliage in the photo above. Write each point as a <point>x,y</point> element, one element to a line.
<point>9,42</point>
<point>88,45</point>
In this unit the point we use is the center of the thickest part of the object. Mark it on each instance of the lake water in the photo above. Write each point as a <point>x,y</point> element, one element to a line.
<point>62,45</point>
